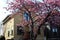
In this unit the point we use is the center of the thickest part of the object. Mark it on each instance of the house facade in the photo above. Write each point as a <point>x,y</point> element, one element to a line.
<point>10,28</point>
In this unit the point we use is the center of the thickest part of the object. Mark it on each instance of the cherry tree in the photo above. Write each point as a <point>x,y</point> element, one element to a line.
<point>27,6</point>
<point>44,12</point>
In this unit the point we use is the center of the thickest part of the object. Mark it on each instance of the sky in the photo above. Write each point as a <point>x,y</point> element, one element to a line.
<point>3,12</point>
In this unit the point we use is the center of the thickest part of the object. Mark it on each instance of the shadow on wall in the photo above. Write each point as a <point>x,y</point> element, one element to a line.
<point>2,38</point>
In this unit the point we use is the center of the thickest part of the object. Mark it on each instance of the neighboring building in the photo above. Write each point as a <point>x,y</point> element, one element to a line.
<point>10,27</point>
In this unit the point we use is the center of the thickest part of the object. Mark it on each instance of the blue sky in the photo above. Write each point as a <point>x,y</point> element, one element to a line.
<point>3,12</point>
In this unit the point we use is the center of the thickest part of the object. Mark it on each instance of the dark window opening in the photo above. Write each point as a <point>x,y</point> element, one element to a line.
<point>19,30</point>
<point>8,33</point>
<point>11,32</point>
<point>38,31</point>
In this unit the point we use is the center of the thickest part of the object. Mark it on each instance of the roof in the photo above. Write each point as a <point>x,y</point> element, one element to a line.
<point>9,17</point>
<point>6,19</point>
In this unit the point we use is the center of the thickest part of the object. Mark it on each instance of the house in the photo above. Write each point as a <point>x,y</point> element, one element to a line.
<point>10,27</point>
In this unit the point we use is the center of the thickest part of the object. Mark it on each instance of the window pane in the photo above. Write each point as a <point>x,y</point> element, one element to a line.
<point>26,16</point>
<point>11,32</point>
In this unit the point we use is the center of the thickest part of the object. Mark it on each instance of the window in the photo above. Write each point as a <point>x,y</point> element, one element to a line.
<point>26,16</point>
<point>19,30</point>
<point>8,33</point>
<point>11,32</point>
<point>54,29</point>
<point>38,31</point>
